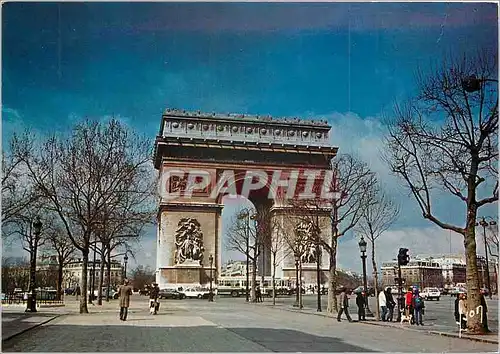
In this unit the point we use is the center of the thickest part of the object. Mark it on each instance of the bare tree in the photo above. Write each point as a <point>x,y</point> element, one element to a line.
<point>59,243</point>
<point>81,175</point>
<point>446,141</point>
<point>378,215</point>
<point>243,233</point>
<point>352,181</point>
<point>17,192</point>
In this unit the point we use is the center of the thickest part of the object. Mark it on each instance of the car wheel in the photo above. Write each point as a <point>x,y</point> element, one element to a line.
<point>234,293</point>
<point>200,296</point>
<point>437,299</point>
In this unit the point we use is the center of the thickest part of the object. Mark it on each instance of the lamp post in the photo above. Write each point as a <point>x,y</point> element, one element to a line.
<point>31,302</point>
<point>211,294</point>
<point>125,260</point>
<point>484,224</point>
<point>362,248</point>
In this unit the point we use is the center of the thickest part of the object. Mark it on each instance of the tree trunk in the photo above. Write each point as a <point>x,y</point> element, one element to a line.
<point>254,280</point>
<point>108,273</point>
<point>375,280</point>
<point>84,281</point>
<point>474,325</point>
<point>60,273</point>
<point>332,280</point>
<point>300,286</point>
<point>274,278</point>
<point>296,283</point>
<point>101,280</point>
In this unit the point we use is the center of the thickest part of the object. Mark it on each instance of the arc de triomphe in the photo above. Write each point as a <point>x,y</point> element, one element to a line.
<point>203,157</point>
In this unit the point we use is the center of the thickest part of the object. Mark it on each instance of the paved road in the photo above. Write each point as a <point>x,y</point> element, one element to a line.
<point>438,314</point>
<point>224,326</point>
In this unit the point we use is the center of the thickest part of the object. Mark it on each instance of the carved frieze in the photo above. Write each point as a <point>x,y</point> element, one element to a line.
<point>245,128</point>
<point>306,244</point>
<point>189,242</point>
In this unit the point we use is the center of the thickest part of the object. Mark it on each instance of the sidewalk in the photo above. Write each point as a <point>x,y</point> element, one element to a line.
<point>445,331</point>
<point>15,323</point>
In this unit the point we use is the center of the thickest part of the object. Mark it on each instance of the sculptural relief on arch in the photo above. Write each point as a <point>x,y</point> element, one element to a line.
<point>203,157</point>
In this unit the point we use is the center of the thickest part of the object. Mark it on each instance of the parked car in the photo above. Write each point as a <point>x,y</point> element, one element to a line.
<point>457,290</point>
<point>171,294</point>
<point>196,293</point>
<point>430,294</point>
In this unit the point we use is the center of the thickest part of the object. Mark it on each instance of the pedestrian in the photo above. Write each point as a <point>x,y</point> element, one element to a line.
<point>382,302</point>
<point>409,304</point>
<point>258,294</point>
<point>484,312</point>
<point>154,305</point>
<point>344,305</point>
<point>462,310</point>
<point>418,308</point>
<point>124,293</point>
<point>78,292</point>
<point>360,302</point>
<point>391,304</point>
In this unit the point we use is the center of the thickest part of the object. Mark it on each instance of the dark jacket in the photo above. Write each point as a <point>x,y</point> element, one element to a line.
<point>344,300</point>
<point>456,313</point>
<point>154,293</point>
<point>360,300</point>
<point>389,299</point>
<point>418,302</point>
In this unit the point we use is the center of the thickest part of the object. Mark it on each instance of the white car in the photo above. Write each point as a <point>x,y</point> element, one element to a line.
<point>196,293</point>
<point>431,293</point>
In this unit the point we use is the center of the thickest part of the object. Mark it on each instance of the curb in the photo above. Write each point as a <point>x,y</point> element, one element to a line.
<point>29,328</point>
<point>444,334</point>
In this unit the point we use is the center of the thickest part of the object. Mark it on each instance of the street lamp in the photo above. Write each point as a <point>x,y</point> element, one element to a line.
<point>211,295</point>
<point>31,303</point>
<point>125,260</point>
<point>484,224</point>
<point>362,248</point>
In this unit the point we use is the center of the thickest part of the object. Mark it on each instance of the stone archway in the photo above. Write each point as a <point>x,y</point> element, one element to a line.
<point>202,157</point>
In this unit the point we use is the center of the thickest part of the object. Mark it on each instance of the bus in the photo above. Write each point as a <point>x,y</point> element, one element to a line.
<point>236,286</point>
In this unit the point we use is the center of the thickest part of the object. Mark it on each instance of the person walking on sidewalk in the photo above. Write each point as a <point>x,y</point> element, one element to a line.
<point>382,302</point>
<point>418,308</point>
<point>344,305</point>
<point>154,304</point>
<point>124,293</point>
<point>390,304</point>
<point>360,302</point>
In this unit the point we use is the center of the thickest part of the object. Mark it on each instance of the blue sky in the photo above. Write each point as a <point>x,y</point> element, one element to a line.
<point>344,62</point>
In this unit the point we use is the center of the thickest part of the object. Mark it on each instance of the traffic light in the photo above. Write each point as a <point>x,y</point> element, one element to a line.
<point>403,257</point>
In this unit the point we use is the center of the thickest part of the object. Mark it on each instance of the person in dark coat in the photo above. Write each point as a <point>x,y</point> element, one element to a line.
<point>153,298</point>
<point>360,302</point>
<point>485,310</point>
<point>124,293</point>
<point>344,306</point>
<point>457,313</point>
<point>390,303</point>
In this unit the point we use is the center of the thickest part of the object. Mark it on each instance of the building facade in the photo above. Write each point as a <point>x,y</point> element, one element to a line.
<point>419,272</point>
<point>442,271</point>
<point>73,273</point>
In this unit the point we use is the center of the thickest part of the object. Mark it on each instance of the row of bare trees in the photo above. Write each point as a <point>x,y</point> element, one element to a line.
<point>302,226</point>
<point>93,189</point>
